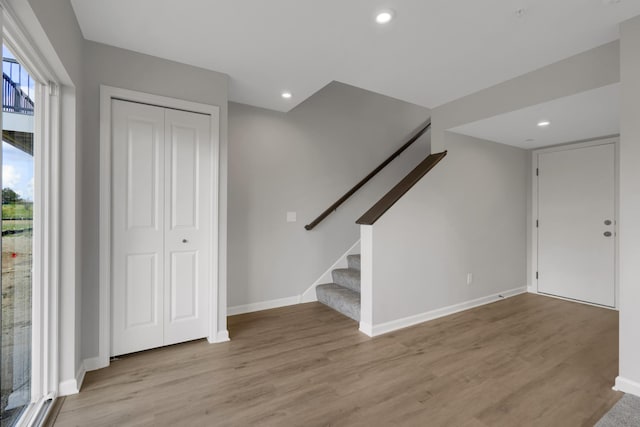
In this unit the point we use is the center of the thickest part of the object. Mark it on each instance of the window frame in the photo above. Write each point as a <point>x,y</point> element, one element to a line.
<point>46,220</point>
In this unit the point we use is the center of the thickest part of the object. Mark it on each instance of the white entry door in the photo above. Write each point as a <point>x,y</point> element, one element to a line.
<point>576,228</point>
<point>161,210</point>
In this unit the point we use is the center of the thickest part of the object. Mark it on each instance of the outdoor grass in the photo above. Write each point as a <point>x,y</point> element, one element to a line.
<point>17,211</point>
<point>17,216</point>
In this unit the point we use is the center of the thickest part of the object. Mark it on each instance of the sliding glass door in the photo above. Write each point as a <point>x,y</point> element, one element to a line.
<point>17,160</point>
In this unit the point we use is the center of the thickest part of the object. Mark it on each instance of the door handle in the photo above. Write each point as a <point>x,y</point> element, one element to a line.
<point>607,222</point>
<point>607,234</point>
<point>184,240</point>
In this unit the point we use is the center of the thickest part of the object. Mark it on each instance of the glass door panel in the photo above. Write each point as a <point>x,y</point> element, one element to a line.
<point>17,244</point>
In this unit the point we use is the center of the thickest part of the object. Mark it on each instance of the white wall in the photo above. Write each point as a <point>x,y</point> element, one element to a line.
<point>629,228</point>
<point>106,65</point>
<point>467,215</point>
<point>303,161</point>
<point>589,70</point>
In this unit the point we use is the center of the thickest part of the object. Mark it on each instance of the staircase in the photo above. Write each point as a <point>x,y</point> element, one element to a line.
<point>343,295</point>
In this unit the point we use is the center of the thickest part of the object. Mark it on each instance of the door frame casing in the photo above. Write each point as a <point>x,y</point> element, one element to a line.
<point>107,94</point>
<point>533,248</point>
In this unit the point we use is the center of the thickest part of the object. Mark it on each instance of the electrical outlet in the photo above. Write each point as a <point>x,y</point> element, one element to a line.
<point>469,278</point>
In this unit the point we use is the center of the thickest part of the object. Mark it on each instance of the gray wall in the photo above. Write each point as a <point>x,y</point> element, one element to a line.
<point>468,215</point>
<point>303,161</point>
<point>58,21</point>
<point>106,65</point>
<point>592,69</point>
<point>629,230</point>
<point>589,70</point>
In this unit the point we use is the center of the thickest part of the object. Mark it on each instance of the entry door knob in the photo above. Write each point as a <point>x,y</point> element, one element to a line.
<point>607,234</point>
<point>607,222</point>
<point>184,240</point>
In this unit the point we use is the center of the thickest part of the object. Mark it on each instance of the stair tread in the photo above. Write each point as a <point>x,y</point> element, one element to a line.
<point>340,298</point>
<point>350,271</point>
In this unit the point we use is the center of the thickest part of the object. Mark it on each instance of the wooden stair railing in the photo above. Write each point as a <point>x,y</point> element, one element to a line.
<point>367,178</point>
<point>389,199</point>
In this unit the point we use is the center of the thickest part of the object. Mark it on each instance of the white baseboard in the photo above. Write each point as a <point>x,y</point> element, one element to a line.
<point>366,329</point>
<point>93,363</point>
<point>394,325</point>
<point>627,386</point>
<point>72,386</point>
<point>221,336</point>
<point>263,305</point>
<point>310,294</point>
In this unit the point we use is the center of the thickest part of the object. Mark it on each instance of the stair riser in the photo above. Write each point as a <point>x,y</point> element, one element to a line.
<point>340,299</point>
<point>347,277</point>
<point>354,261</point>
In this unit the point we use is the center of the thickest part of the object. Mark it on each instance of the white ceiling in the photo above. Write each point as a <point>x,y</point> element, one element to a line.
<point>586,115</point>
<point>434,51</point>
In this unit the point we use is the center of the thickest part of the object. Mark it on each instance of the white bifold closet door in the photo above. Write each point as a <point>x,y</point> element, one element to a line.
<point>161,210</point>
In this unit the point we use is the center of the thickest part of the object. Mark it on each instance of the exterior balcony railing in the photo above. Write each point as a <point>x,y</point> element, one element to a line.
<point>14,99</point>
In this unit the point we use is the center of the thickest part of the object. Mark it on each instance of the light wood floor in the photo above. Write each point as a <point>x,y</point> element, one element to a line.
<point>529,360</point>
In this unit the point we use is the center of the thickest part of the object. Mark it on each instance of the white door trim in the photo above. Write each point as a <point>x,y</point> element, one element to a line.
<point>533,250</point>
<point>107,93</point>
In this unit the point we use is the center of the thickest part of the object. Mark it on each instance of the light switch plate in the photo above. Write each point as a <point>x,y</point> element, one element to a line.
<point>291,217</point>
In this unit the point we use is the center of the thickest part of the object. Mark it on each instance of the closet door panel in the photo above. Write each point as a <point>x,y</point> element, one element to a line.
<point>137,230</point>
<point>188,228</point>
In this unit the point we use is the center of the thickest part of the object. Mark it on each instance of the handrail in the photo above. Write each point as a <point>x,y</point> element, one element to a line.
<point>389,199</point>
<point>366,179</point>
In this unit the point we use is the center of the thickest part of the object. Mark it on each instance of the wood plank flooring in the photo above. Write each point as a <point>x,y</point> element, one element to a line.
<point>525,361</point>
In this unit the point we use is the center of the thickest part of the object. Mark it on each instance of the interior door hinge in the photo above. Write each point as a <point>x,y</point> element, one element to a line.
<point>537,223</point>
<point>536,274</point>
<point>537,172</point>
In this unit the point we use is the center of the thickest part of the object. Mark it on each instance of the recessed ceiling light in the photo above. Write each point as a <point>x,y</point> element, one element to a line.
<point>384,17</point>
<point>544,123</point>
<point>286,95</point>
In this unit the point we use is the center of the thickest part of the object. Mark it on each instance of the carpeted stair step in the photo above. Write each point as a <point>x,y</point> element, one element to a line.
<point>354,261</point>
<point>341,299</point>
<point>347,277</point>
